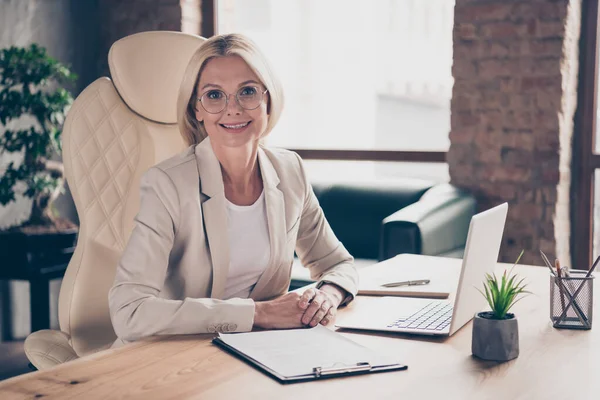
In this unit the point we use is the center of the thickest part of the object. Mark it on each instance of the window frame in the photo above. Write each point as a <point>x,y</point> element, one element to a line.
<point>585,161</point>
<point>209,15</point>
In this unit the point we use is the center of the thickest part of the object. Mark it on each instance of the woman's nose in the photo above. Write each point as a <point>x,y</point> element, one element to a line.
<point>232,105</point>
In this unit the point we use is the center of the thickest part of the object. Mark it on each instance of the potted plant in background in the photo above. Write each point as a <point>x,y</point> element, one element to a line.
<point>30,95</point>
<point>496,332</point>
<point>32,110</point>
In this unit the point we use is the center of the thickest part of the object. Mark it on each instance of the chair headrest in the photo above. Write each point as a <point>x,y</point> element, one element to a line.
<point>147,69</point>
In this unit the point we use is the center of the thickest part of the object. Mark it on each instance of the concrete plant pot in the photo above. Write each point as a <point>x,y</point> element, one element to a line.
<point>495,339</point>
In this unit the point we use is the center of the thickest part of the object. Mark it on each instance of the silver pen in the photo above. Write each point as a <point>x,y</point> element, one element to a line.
<point>407,283</point>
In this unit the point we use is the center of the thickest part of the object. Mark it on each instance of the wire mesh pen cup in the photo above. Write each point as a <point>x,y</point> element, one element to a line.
<point>571,301</point>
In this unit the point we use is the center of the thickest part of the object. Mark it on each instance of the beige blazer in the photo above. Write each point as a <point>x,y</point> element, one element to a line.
<point>171,276</point>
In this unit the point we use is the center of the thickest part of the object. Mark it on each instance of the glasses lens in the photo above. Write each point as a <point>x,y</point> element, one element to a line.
<point>214,101</point>
<point>249,97</point>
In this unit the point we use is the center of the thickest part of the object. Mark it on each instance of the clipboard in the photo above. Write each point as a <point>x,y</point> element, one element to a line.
<point>275,353</point>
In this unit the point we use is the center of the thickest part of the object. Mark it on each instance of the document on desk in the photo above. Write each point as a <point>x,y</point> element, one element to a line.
<point>442,273</point>
<point>297,355</point>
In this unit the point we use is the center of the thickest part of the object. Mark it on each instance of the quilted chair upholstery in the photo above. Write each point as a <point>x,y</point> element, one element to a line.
<point>115,130</point>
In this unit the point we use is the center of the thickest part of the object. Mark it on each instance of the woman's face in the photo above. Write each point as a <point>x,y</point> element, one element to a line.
<point>234,126</point>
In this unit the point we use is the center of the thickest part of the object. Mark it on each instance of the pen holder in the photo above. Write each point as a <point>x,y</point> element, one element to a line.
<point>571,301</point>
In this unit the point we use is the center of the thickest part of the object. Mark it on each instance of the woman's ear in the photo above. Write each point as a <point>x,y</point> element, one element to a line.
<point>198,115</point>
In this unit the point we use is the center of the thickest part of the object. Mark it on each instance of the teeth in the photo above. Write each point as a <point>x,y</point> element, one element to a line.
<point>235,126</point>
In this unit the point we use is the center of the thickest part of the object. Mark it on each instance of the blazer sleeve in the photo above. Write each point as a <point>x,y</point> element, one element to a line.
<point>136,310</point>
<point>320,250</point>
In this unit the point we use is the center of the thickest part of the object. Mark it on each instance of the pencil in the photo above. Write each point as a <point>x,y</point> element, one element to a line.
<point>547,262</point>
<point>572,297</point>
<point>593,268</point>
<point>560,286</point>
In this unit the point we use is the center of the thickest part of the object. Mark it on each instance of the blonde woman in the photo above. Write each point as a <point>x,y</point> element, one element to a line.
<point>218,224</point>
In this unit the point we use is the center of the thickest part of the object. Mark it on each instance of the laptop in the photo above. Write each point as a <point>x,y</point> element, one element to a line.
<point>441,317</point>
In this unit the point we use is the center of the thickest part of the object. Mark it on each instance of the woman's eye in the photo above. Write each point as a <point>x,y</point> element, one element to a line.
<point>214,95</point>
<point>248,91</point>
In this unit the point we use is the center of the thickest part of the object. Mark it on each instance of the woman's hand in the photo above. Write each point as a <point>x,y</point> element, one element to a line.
<point>320,305</point>
<point>282,313</point>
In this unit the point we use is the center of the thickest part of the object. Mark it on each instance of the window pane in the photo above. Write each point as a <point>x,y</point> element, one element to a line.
<point>333,171</point>
<point>356,74</point>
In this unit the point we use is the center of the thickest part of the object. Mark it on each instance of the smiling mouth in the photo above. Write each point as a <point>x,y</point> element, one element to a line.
<point>235,127</point>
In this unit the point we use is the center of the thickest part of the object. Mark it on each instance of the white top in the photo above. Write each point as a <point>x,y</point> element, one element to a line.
<point>249,246</point>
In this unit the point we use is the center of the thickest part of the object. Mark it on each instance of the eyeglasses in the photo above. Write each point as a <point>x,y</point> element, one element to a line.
<point>248,97</point>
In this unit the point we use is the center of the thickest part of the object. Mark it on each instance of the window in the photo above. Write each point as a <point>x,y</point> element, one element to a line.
<point>356,74</point>
<point>585,215</point>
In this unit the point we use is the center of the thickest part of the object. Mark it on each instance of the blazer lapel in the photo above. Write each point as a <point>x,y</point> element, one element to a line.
<point>275,221</point>
<point>214,214</point>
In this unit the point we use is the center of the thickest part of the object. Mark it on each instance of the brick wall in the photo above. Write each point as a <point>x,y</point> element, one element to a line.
<point>514,98</point>
<point>120,18</point>
<point>191,16</point>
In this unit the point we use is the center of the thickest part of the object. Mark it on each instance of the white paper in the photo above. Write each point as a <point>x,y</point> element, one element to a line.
<point>297,351</point>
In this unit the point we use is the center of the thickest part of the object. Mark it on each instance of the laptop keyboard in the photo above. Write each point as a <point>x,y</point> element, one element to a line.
<point>435,316</point>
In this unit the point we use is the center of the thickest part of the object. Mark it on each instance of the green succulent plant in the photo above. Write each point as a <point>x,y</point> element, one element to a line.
<point>30,87</point>
<point>502,293</point>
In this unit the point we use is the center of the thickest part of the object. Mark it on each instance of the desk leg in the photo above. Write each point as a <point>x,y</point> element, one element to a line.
<point>39,290</point>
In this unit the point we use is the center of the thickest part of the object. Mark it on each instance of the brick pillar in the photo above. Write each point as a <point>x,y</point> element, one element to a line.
<point>514,98</point>
<point>120,18</point>
<point>191,16</point>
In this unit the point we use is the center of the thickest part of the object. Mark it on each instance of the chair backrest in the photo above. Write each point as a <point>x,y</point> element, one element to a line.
<point>113,133</point>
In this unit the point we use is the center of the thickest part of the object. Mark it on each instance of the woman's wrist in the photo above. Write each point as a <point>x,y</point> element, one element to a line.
<point>260,314</point>
<point>335,291</point>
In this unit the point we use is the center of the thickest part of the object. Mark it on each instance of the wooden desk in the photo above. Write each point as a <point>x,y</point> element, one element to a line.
<point>553,364</point>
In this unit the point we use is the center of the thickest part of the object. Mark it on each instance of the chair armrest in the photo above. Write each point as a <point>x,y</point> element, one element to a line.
<point>47,348</point>
<point>436,224</point>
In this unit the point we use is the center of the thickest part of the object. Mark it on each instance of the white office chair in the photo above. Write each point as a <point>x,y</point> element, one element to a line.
<point>114,132</point>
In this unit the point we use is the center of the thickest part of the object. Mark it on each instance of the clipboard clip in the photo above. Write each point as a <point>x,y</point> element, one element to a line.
<point>321,371</point>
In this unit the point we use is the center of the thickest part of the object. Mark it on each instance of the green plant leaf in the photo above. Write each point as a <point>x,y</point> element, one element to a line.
<point>503,293</point>
<point>31,85</point>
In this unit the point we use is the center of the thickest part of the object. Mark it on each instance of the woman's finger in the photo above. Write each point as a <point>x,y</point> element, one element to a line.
<point>321,312</point>
<point>329,317</point>
<point>313,308</point>
<point>306,298</point>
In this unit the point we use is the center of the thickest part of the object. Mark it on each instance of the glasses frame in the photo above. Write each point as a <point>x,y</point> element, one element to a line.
<point>227,95</point>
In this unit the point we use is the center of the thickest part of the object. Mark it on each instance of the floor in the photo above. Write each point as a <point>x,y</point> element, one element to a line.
<point>13,361</point>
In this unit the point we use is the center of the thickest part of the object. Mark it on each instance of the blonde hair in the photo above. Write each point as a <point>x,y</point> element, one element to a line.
<point>191,130</point>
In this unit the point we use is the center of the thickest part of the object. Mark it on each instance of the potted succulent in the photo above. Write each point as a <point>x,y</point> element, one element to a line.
<point>496,332</point>
<point>32,110</point>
